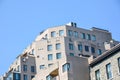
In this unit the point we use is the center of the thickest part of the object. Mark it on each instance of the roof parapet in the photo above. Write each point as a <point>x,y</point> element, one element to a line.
<point>99,29</point>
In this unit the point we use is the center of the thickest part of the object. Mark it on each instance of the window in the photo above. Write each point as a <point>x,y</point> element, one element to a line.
<point>92,49</point>
<point>32,68</point>
<point>66,67</point>
<point>71,54</point>
<point>25,68</point>
<point>58,46</point>
<point>61,32</point>
<point>93,38</point>
<point>42,66</point>
<point>97,74</point>
<point>18,68</point>
<point>49,77</point>
<point>16,76</point>
<point>88,37</point>
<point>119,64</point>
<point>83,35</point>
<point>25,77</point>
<point>108,71</point>
<point>49,65</point>
<point>71,47</point>
<point>58,55</point>
<point>76,34</point>
<point>99,51</point>
<point>80,47</point>
<point>32,77</point>
<point>32,51</point>
<point>70,32</point>
<point>87,48</point>
<point>49,47</point>
<point>53,34</point>
<point>50,57</point>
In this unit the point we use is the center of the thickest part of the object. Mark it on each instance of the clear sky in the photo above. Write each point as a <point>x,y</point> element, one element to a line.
<point>22,20</point>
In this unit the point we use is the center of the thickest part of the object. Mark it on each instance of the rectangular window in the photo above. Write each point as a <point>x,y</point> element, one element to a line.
<point>71,47</point>
<point>76,34</point>
<point>58,45</point>
<point>25,77</point>
<point>42,66</point>
<point>49,47</point>
<point>99,51</point>
<point>92,49</point>
<point>61,33</point>
<point>88,37</point>
<point>32,77</point>
<point>97,74</point>
<point>32,51</point>
<point>25,68</point>
<point>49,65</point>
<point>50,57</point>
<point>49,77</point>
<point>66,67</point>
<point>71,54</point>
<point>32,68</point>
<point>58,55</point>
<point>80,47</point>
<point>108,71</point>
<point>83,35</point>
<point>53,34</point>
<point>87,48</point>
<point>70,32</point>
<point>93,38</point>
<point>119,64</point>
<point>16,76</point>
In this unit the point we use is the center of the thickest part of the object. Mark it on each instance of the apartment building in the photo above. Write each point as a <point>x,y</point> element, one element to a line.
<point>23,68</point>
<point>61,53</point>
<point>107,65</point>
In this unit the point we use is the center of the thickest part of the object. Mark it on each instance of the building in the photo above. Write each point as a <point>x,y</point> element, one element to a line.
<point>61,53</point>
<point>107,65</point>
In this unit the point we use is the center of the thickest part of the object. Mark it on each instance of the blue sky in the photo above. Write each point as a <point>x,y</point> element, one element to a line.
<point>22,20</point>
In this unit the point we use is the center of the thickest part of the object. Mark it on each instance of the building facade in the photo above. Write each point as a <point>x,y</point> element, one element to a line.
<point>61,53</point>
<point>107,65</point>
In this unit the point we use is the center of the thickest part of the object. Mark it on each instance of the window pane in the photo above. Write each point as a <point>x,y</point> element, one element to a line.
<point>71,47</point>
<point>92,49</point>
<point>49,47</point>
<point>42,66</point>
<point>83,35</point>
<point>70,32</point>
<point>80,47</point>
<point>32,68</point>
<point>119,64</point>
<point>24,67</point>
<point>99,52</point>
<point>108,71</point>
<point>58,46</point>
<point>75,34</point>
<point>71,54</point>
<point>58,55</point>
<point>53,34</point>
<point>97,74</point>
<point>88,37</point>
<point>50,57</point>
<point>93,38</point>
<point>25,77</point>
<point>49,77</point>
<point>61,33</point>
<point>87,48</point>
<point>66,67</point>
<point>32,77</point>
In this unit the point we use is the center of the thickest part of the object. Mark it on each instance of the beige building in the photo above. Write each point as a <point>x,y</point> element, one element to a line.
<point>107,65</point>
<point>61,53</point>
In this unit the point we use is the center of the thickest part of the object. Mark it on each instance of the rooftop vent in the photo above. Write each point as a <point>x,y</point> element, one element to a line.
<point>72,24</point>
